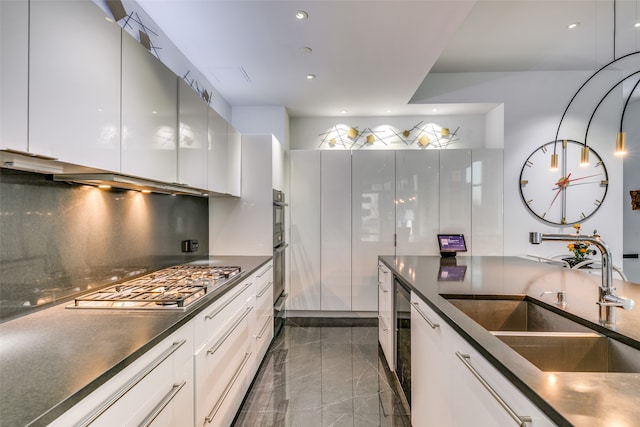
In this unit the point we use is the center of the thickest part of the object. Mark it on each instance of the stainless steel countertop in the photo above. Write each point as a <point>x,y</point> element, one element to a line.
<point>51,359</point>
<point>580,399</point>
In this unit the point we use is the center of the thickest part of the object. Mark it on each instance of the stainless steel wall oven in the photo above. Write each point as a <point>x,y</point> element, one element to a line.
<point>279,258</point>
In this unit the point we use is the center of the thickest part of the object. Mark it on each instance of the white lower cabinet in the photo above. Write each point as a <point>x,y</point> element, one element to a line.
<point>263,320</point>
<point>453,385</point>
<point>430,367</point>
<point>386,330</point>
<point>222,368</point>
<point>197,376</point>
<point>155,390</point>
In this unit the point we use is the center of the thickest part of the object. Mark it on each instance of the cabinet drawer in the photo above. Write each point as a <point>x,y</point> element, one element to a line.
<point>157,388</point>
<point>222,367</point>
<point>263,278</point>
<point>263,337</point>
<point>217,315</point>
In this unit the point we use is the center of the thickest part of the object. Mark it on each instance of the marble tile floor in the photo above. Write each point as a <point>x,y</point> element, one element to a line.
<point>329,375</point>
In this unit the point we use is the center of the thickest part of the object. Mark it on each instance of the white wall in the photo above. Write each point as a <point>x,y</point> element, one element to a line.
<point>270,120</point>
<point>631,244</point>
<point>533,104</point>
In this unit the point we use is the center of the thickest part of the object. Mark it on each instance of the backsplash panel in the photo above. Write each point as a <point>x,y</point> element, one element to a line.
<point>59,239</point>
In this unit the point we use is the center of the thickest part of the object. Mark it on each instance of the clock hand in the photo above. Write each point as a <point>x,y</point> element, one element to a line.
<point>561,184</point>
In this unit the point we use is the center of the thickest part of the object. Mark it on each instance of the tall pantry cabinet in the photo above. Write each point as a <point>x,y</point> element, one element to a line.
<point>396,201</point>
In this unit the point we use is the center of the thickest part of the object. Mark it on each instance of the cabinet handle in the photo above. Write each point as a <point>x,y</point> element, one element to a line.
<point>219,309</point>
<point>265,272</point>
<point>382,288</point>
<point>226,335</point>
<point>264,290</point>
<point>163,404</point>
<point>383,324</point>
<point>111,400</point>
<point>227,389</point>
<point>264,327</point>
<point>520,420</point>
<point>424,316</point>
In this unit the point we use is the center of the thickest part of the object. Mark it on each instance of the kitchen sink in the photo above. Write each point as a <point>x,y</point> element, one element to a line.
<point>573,351</point>
<point>545,338</point>
<point>513,313</point>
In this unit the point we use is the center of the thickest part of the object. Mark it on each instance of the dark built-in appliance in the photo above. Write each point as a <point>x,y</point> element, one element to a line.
<point>279,250</point>
<point>402,314</point>
<point>170,288</point>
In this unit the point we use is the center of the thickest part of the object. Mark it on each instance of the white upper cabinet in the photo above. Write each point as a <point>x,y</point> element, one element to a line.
<point>192,137</point>
<point>487,193</point>
<point>418,205</point>
<point>14,57</point>
<point>335,226</point>
<point>234,161</point>
<point>217,153</point>
<point>74,83</point>
<point>373,226</point>
<point>149,114</point>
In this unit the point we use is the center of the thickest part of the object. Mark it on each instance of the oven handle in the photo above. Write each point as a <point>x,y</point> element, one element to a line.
<point>281,247</point>
<point>108,403</point>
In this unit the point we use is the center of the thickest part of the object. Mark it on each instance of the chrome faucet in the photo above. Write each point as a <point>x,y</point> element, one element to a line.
<point>607,298</point>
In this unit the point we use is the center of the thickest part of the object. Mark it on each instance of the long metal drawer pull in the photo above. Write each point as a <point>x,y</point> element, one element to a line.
<point>219,309</point>
<point>227,389</point>
<point>175,389</point>
<point>265,272</point>
<point>264,290</point>
<point>109,402</point>
<point>384,326</point>
<point>226,335</point>
<point>520,420</point>
<point>424,316</point>
<point>264,327</point>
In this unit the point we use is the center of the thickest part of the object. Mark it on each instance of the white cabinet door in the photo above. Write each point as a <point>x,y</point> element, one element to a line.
<point>74,84</point>
<point>475,404</point>
<point>192,137</point>
<point>14,57</point>
<point>417,207</point>
<point>373,226</point>
<point>234,162</point>
<point>304,208</point>
<point>386,331</point>
<point>487,192</point>
<point>149,114</point>
<point>455,190</point>
<point>335,226</point>
<point>217,157</point>
<point>431,392</point>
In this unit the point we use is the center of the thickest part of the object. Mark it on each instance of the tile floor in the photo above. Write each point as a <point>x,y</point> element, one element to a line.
<point>323,375</point>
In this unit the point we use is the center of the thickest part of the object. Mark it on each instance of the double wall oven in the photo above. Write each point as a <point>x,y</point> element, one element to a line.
<point>279,250</point>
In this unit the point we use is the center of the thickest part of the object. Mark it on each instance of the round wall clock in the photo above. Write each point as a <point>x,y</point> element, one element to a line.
<point>569,195</point>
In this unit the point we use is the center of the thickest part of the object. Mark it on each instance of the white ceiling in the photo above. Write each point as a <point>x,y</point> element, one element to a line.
<point>370,56</point>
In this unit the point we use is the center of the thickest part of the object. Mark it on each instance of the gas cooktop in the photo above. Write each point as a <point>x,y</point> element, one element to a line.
<point>171,288</point>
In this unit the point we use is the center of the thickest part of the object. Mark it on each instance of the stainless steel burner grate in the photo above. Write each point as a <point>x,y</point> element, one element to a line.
<point>174,287</point>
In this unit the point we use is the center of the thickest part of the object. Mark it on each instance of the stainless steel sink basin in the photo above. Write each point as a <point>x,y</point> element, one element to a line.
<point>513,313</point>
<point>547,339</point>
<point>573,352</point>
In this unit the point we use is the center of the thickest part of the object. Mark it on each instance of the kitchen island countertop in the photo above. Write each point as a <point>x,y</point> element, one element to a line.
<point>572,398</point>
<point>51,359</point>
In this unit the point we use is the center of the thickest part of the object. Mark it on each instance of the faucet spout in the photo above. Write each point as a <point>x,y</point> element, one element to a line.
<point>607,295</point>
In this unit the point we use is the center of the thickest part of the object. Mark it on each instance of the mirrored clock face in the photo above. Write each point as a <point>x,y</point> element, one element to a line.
<point>568,195</point>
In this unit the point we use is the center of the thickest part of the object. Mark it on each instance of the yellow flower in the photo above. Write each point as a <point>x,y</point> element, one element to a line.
<point>571,246</point>
<point>583,250</point>
<point>576,226</point>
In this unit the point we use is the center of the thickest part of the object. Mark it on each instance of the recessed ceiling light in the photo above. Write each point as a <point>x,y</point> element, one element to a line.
<point>311,76</point>
<point>301,15</point>
<point>573,25</point>
<point>306,49</point>
<point>344,111</point>
<point>637,24</point>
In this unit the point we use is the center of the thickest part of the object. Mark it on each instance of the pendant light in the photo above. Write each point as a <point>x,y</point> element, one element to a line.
<point>621,136</point>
